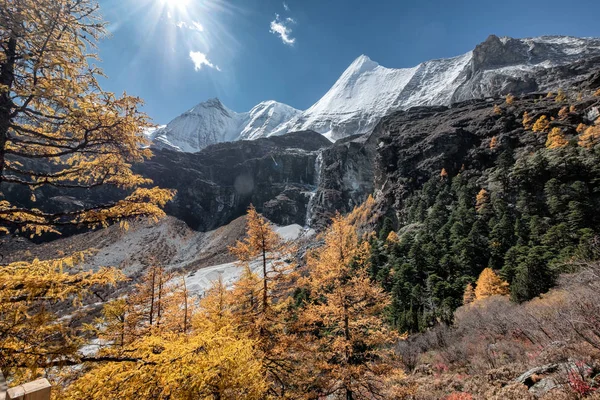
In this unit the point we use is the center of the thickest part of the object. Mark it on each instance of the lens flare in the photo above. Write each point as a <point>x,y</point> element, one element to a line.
<point>176,4</point>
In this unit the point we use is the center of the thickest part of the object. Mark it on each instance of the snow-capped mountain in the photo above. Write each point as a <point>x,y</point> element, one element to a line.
<point>367,91</point>
<point>211,122</point>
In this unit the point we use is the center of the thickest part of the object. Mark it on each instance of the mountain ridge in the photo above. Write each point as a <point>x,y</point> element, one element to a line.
<point>367,91</point>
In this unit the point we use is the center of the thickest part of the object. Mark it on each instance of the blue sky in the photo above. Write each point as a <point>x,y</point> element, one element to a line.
<point>177,53</point>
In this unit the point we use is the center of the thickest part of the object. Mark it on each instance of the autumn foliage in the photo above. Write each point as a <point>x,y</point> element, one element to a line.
<point>542,124</point>
<point>59,129</point>
<point>556,139</point>
<point>490,284</point>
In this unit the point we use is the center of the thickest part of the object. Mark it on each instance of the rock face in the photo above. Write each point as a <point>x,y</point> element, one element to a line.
<point>217,185</point>
<point>367,91</point>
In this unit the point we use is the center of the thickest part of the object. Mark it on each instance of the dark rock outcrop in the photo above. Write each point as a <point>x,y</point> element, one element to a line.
<point>217,184</point>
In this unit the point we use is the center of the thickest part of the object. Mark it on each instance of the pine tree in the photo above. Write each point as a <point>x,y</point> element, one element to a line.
<point>490,284</point>
<point>533,276</point>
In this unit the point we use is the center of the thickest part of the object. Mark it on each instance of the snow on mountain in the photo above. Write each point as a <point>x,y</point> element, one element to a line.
<point>367,91</point>
<point>263,119</point>
<point>211,122</point>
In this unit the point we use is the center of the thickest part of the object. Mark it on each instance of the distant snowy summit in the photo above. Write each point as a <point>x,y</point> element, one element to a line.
<point>367,91</point>
<point>211,122</point>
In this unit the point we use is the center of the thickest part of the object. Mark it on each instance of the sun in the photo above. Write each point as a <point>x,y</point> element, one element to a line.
<point>176,4</point>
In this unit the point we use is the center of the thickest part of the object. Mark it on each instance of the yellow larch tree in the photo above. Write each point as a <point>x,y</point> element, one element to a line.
<point>443,173</point>
<point>560,96</point>
<point>347,343</point>
<point>542,124</point>
<point>261,300</point>
<point>497,109</point>
<point>32,336</point>
<point>510,99</point>
<point>212,359</point>
<point>490,284</point>
<point>563,113</point>
<point>556,139</point>
<point>590,137</point>
<point>482,199</point>
<point>494,143</point>
<point>581,128</point>
<point>59,129</point>
<point>469,294</point>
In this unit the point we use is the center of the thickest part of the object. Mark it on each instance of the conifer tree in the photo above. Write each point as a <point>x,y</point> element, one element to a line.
<point>542,124</point>
<point>60,129</point>
<point>494,143</point>
<point>590,137</point>
<point>563,113</point>
<point>212,359</point>
<point>533,276</point>
<point>560,96</point>
<point>262,301</point>
<point>343,327</point>
<point>482,200</point>
<point>556,139</point>
<point>490,284</point>
<point>469,295</point>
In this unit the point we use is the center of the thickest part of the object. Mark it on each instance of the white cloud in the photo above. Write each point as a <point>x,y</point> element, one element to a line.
<point>199,59</point>
<point>197,26</point>
<point>194,26</point>
<point>286,7</point>
<point>281,28</point>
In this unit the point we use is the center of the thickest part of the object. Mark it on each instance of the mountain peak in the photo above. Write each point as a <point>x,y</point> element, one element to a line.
<point>213,102</point>
<point>361,64</point>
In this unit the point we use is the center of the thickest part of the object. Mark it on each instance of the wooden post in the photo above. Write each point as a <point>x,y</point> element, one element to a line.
<point>36,390</point>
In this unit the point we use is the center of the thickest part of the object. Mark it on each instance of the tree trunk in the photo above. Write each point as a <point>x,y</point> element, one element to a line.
<point>152,295</point>
<point>265,286</point>
<point>7,77</point>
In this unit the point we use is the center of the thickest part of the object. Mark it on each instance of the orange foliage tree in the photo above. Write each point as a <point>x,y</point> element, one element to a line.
<point>590,137</point>
<point>490,284</point>
<point>346,339</point>
<point>260,302</point>
<point>542,124</point>
<point>556,139</point>
<point>60,129</point>
<point>527,120</point>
